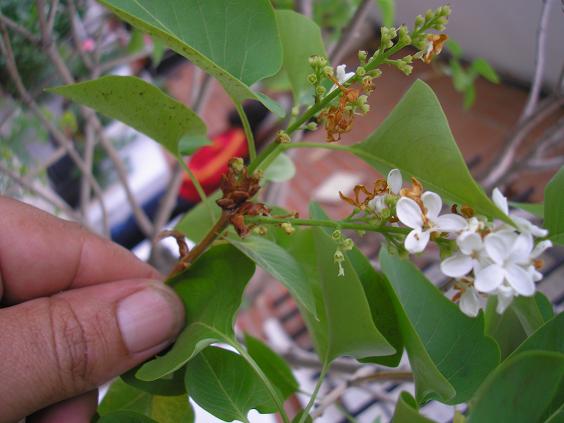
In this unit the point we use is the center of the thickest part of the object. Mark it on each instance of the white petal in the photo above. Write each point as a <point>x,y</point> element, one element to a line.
<point>468,242</point>
<point>498,245</point>
<point>521,249</point>
<point>535,274</point>
<point>470,302</point>
<point>457,265</point>
<point>525,226</point>
<point>489,278</point>
<point>378,203</point>
<point>395,181</point>
<point>409,213</point>
<point>340,73</point>
<point>520,280</point>
<point>540,248</point>
<point>416,241</point>
<point>500,200</point>
<point>450,222</point>
<point>504,298</point>
<point>432,203</point>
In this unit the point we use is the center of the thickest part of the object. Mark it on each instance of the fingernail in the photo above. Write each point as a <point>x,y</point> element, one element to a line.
<point>149,318</point>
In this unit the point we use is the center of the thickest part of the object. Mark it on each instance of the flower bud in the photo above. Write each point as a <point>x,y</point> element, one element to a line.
<point>360,71</point>
<point>312,79</point>
<point>336,235</point>
<point>260,230</point>
<point>362,55</point>
<point>288,228</point>
<point>320,90</point>
<point>311,126</point>
<point>328,70</point>
<point>419,21</point>
<point>348,244</point>
<point>237,164</point>
<point>282,138</point>
<point>338,256</point>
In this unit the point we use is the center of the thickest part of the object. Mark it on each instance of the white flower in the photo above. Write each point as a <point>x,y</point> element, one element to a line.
<point>505,296</point>
<point>342,76</point>
<point>411,215</point>
<point>524,225</point>
<point>394,182</point>
<point>510,253</point>
<point>470,257</point>
<point>470,302</point>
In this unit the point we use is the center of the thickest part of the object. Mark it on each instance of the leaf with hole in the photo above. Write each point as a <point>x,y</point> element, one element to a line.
<point>211,290</point>
<point>447,350</point>
<point>223,383</point>
<point>140,105</point>
<point>235,41</point>
<point>416,138</point>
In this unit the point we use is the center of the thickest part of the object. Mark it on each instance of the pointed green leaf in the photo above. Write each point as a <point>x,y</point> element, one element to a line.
<point>122,397</point>
<point>301,38</point>
<point>199,220</point>
<point>280,170</point>
<point>280,264</point>
<point>223,383</point>
<point>448,352</point>
<point>273,366</point>
<point>169,385</point>
<point>416,139</point>
<point>549,337</point>
<point>407,411</point>
<point>211,290</point>
<point>554,208</point>
<point>482,67</point>
<point>235,41</point>
<point>521,390</point>
<point>454,48</point>
<point>469,96</point>
<point>188,145</point>
<point>140,105</point>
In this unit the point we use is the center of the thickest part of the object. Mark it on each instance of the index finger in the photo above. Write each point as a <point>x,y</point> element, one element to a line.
<point>41,255</point>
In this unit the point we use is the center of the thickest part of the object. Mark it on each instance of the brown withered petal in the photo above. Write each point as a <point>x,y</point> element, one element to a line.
<point>436,46</point>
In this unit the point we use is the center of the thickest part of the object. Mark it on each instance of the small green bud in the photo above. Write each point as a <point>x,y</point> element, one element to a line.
<point>360,71</point>
<point>362,55</point>
<point>361,233</point>
<point>322,61</point>
<point>260,230</point>
<point>440,27</point>
<point>362,99</point>
<point>288,228</point>
<point>419,21</point>
<point>445,10</point>
<point>376,73</point>
<point>406,69</point>
<point>386,213</point>
<point>336,235</point>
<point>328,70</point>
<point>237,164</point>
<point>348,244</point>
<point>312,60</point>
<point>391,201</point>
<point>338,256</point>
<point>282,137</point>
<point>311,126</point>
<point>312,78</point>
<point>320,90</point>
<point>364,108</point>
<point>259,173</point>
<point>429,14</point>
<point>295,110</point>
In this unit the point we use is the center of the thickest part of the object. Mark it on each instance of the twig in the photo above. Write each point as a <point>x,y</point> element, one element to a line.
<point>88,158</point>
<point>349,33</point>
<point>503,162</point>
<point>53,158</point>
<point>58,136</point>
<point>76,38</point>
<point>544,164</point>
<point>540,60</point>
<point>52,15</point>
<point>34,39</point>
<point>114,63</point>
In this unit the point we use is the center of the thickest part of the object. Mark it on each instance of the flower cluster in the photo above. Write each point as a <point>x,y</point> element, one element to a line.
<point>343,245</point>
<point>484,257</point>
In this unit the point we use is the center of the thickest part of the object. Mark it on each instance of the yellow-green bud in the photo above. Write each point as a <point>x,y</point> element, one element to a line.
<point>429,14</point>
<point>237,164</point>
<point>312,79</point>
<point>259,173</point>
<point>260,230</point>
<point>328,70</point>
<point>419,20</point>
<point>295,110</point>
<point>336,235</point>
<point>282,137</point>
<point>288,228</point>
<point>338,256</point>
<point>362,55</point>
<point>360,71</point>
<point>311,126</point>
<point>320,90</point>
<point>348,244</point>
<point>376,73</point>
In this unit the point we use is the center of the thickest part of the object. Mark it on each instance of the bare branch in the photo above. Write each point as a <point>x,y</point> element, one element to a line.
<point>90,143</point>
<point>544,164</point>
<point>52,15</point>
<point>55,157</point>
<point>305,7</point>
<point>349,33</point>
<point>19,29</point>
<point>75,35</point>
<point>540,60</point>
<point>503,162</point>
<point>114,63</point>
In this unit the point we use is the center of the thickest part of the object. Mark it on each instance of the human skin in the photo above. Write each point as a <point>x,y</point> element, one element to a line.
<point>77,311</point>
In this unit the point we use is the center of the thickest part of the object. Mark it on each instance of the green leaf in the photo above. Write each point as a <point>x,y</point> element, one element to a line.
<point>549,337</point>
<point>122,397</point>
<point>529,313</point>
<point>407,411</point>
<point>140,105</point>
<point>223,383</point>
<point>387,10</point>
<point>235,41</point>
<point>280,264</point>
<point>125,417</point>
<point>301,38</point>
<point>273,366</point>
<point>189,144</point>
<point>520,390</point>
<point>280,170</point>
<point>448,352</point>
<point>469,96</point>
<point>158,52</point>
<point>460,79</point>
<point>536,209</point>
<point>416,139</point>
<point>199,220</point>
<point>454,48</point>
<point>211,291</point>
<point>136,42</point>
<point>344,325</point>
<point>169,385</point>
<point>554,208</point>
<point>482,67</point>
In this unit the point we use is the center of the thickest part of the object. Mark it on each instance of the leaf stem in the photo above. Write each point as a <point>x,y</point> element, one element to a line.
<point>248,131</point>
<point>315,392</point>
<point>271,389</point>
<point>339,224</point>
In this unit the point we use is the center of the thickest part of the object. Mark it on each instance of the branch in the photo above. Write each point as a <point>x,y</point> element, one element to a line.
<point>88,162</point>
<point>350,32</point>
<point>58,136</point>
<point>111,64</point>
<point>540,60</point>
<point>77,41</point>
<point>544,164</point>
<point>503,162</point>
<point>19,29</point>
<point>52,15</point>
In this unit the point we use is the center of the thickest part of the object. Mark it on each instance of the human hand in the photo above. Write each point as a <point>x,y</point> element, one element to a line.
<point>78,311</point>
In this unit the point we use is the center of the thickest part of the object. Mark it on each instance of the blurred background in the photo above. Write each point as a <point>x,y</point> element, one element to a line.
<point>499,80</point>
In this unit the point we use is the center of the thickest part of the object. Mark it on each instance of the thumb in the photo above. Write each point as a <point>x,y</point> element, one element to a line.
<point>55,348</point>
